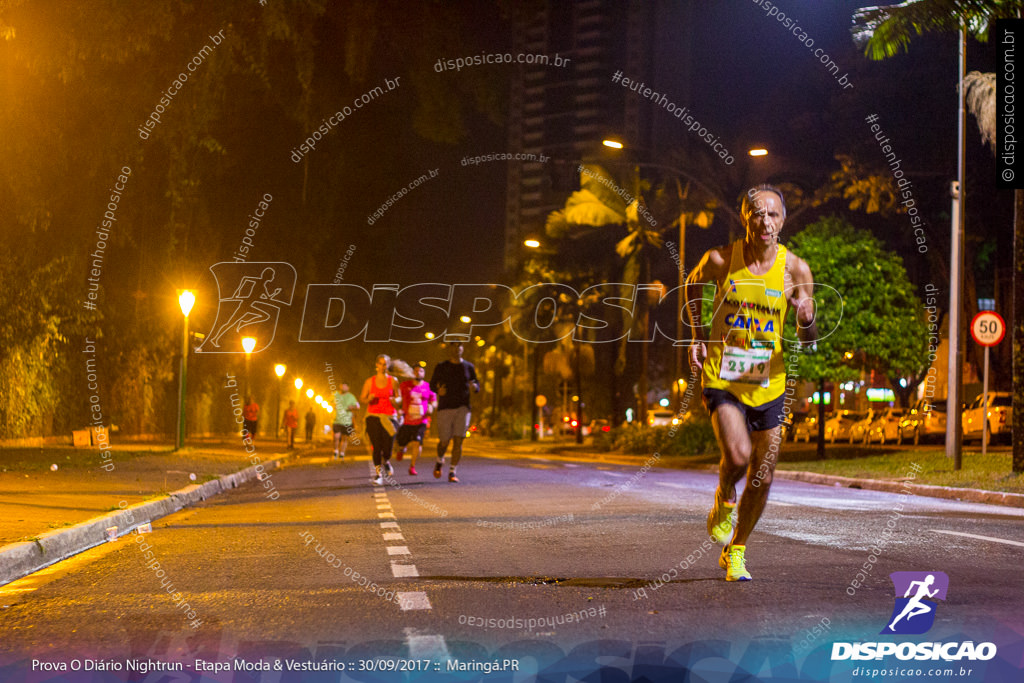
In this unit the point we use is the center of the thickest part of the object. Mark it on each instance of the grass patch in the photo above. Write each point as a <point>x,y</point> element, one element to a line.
<point>992,472</point>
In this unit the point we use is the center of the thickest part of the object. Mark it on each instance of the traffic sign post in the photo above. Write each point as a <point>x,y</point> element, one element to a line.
<point>988,329</point>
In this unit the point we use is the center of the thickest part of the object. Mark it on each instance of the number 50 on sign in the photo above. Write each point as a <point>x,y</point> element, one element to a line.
<point>988,328</point>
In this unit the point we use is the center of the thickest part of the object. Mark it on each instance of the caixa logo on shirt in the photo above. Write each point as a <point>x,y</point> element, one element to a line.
<point>916,596</point>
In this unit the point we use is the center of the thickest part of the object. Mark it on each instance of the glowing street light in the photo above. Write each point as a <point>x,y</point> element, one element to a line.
<point>319,399</point>
<point>298,384</point>
<point>465,319</point>
<point>279,370</point>
<point>614,144</point>
<point>532,243</point>
<point>186,300</point>
<point>248,344</point>
<point>309,393</point>
<point>758,152</point>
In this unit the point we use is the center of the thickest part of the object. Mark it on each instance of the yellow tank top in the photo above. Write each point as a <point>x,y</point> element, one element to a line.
<point>745,346</point>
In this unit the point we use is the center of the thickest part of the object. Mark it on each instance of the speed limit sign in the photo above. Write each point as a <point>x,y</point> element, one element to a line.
<point>988,328</point>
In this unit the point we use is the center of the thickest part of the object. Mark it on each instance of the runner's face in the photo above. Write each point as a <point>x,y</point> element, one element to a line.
<point>455,352</point>
<point>382,364</point>
<point>765,222</point>
<point>419,372</point>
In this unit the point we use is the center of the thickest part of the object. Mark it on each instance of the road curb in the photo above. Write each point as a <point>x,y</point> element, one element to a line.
<point>18,560</point>
<point>966,495</point>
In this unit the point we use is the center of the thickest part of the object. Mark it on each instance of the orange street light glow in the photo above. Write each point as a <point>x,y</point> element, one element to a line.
<point>186,300</point>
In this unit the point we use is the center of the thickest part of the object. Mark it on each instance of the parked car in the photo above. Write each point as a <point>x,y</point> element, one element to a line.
<point>597,426</point>
<point>998,412</point>
<point>660,418</point>
<point>858,432</point>
<point>805,428</point>
<point>886,426</point>
<point>838,426</point>
<point>924,421</point>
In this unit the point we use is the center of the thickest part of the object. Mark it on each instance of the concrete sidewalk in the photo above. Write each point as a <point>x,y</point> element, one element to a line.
<point>57,501</point>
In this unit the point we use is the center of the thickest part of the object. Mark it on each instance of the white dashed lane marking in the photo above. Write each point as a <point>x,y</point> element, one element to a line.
<point>980,538</point>
<point>399,570</point>
<point>394,536</point>
<point>398,550</point>
<point>413,600</point>
<point>430,647</point>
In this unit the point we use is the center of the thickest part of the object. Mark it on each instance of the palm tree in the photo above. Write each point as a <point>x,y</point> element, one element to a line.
<point>884,32</point>
<point>599,204</point>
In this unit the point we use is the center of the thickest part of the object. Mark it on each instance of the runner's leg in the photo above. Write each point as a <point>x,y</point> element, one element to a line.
<point>730,427</point>
<point>765,453</point>
<point>457,450</point>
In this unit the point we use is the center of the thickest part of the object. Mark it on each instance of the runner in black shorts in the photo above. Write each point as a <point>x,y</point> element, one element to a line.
<point>741,362</point>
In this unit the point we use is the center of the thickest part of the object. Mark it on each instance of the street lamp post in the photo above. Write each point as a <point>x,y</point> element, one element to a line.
<point>248,344</point>
<point>279,370</point>
<point>186,300</point>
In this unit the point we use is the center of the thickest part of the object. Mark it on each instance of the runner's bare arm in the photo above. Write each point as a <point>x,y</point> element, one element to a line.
<point>365,394</point>
<point>802,299</point>
<point>712,267</point>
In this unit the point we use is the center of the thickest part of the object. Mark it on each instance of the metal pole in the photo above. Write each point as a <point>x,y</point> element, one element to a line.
<point>984,406</point>
<point>679,313</point>
<point>579,393</point>
<point>182,385</point>
<point>277,413</point>
<point>536,424</point>
<point>954,427</point>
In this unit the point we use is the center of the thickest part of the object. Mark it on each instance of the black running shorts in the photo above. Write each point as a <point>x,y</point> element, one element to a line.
<point>759,418</point>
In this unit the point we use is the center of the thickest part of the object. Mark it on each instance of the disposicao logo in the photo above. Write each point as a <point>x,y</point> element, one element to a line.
<point>917,596</point>
<point>914,612</point>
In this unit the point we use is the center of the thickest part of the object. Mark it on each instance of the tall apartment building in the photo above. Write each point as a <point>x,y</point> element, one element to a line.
<point>565,112</point>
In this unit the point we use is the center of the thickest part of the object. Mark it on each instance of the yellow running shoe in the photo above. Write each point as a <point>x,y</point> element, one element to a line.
<point>734,564</point>
<point>721,519</point>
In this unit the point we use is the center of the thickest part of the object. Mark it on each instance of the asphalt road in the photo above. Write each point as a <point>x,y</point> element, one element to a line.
<point>494,567</point>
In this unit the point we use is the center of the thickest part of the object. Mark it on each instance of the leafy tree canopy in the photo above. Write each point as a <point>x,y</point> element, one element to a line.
<point>867,307</point>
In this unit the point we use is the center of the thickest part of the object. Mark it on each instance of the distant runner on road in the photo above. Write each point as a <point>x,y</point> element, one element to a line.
<point>743,372</point>
<point>452,381</point>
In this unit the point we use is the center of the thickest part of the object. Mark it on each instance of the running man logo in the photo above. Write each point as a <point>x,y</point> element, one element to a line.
<point>258,291</point>
<point>914,613</point>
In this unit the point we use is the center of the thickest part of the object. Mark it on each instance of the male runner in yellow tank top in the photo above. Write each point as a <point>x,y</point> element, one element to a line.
<point>744,375</point>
